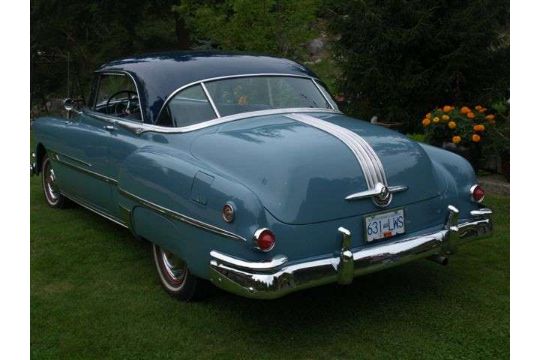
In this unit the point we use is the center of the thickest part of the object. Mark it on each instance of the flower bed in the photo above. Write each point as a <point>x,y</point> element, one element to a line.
<point>461,130</point>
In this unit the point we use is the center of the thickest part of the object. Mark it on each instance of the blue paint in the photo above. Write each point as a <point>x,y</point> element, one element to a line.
<point>279,173</point>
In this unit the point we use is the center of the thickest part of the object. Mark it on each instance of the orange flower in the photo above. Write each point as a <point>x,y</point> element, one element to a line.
<point>483,110</point>
<point>445,117</point>
<point>447,108</point>
<point>470,115</point>
<point>476,138</point>
<point>479,128</point>
<point>465,110</point>
<point>426,122</point>
<point>435,119</point>
<point>490,117</point>
<point>452,125</point>
<point>428,116</point>
<point>478,107</point>
<point>456,139</point>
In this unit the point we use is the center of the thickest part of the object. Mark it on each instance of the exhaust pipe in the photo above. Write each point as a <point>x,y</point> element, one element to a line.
<point>439,259</point>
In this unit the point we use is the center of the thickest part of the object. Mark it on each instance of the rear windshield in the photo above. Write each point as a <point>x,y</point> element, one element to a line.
<point>240,95</point>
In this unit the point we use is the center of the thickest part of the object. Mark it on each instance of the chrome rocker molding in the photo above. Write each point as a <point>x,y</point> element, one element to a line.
<point>276,278</point>
<point>93,209</point>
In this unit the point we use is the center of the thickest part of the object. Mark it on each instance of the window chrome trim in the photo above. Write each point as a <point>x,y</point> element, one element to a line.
<point>203,81</point>
<point>210,100</point>
<point>122,73</point>
<point>323,93</point>
<point>139,128</point>
<point>181,217</point>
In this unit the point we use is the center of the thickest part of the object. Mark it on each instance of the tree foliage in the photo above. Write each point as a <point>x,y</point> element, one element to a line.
<point>402,58</point>
<point>277,27</point>
<point>93,32</point>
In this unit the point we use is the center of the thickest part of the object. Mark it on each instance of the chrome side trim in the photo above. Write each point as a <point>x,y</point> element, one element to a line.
<point>87,206</point>
<point>135,127</point>
<point>59,158</point>
<point>374,192</point>
<point>272,283</point>
<point>181,217</point>
<point>70,158</point>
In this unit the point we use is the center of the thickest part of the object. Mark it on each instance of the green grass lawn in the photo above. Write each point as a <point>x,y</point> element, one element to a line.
<point>95,294</point>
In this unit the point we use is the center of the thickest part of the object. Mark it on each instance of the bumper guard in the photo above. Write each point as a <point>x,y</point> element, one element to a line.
<point>276,278</point>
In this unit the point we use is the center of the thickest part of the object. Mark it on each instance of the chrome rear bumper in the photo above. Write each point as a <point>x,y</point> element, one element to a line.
<point>275,278</point>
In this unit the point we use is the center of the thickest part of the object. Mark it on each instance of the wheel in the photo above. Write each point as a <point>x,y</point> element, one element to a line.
<point>52,194</point>
<point>176,278</point>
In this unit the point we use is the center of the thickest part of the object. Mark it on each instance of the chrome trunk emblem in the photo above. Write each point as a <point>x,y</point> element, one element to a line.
<point>380,194</point>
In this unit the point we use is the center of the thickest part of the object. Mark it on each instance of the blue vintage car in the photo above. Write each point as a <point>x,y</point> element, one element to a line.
<point>241,170</point>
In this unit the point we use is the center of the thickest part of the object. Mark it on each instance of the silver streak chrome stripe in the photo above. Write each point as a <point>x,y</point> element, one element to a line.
<point>367,158</point>
<point>178,216</point>
<point>79,165</point>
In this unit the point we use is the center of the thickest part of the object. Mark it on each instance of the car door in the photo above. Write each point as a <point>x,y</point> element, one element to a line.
<point>81,158</point>
<point>89,139</point>
<point>118,107</point>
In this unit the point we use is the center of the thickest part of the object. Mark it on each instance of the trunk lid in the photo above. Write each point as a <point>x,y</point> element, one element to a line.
<point>303,174</point>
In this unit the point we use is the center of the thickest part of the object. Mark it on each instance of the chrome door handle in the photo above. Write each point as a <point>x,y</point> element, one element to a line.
<point>109,127</point>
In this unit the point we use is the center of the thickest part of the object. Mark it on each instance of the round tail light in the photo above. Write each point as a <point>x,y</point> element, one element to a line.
<point>264,239</point>
<point>477,193</point>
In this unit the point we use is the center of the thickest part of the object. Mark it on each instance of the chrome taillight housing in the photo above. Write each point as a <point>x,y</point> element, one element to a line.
<point>264,239</point>
<point>477,193</point>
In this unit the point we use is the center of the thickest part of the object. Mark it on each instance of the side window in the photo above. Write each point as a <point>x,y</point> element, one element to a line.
<point>116,95</point>
<point>190,106</point>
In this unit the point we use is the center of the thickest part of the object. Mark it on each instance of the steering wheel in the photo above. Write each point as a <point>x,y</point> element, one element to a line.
<point>127,110</point>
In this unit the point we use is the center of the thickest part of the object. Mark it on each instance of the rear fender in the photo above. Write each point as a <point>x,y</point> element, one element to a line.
<point>180,186</point>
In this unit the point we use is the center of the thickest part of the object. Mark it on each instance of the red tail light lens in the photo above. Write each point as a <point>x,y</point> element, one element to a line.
<point>477,193</point>
<point>265,239</point>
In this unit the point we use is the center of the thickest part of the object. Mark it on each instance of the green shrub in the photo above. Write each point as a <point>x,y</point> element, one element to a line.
<point>399,58</point>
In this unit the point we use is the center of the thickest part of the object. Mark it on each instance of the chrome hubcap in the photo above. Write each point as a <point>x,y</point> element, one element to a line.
<point>174,266</point>
<point>49,179</point>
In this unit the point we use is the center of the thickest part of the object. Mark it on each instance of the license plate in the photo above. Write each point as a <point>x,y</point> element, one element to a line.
<point>385,225</point>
